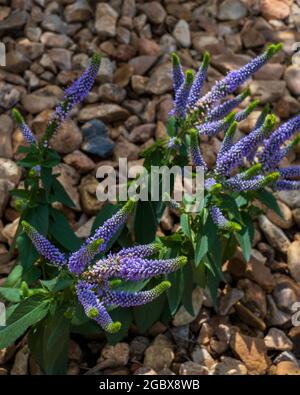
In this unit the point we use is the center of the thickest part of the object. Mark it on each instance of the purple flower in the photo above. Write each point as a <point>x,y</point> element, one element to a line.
<point>236,78</point>
<point>225,108</point>
<point>221,222</point>
<point>130,299</point>
<point>227,142</point>
<point>262,117</point>
<point>142,251</point>
<point>79,259</point>
<point>198,82</point>
<point>181,99</point>
<point>241,115</point>
<point>43,246</point>
<point>238,184</point>
<point>26,132</point>
<point>132,268</point>
<point>235,155</point>
<point>215,127</point>
<point>178,75</point>
<point>291,171</point>
<point>195,152</point>
<point>74,95</point>
<point>272,153</point>
<point>94,308</point>
<point>287,185</point>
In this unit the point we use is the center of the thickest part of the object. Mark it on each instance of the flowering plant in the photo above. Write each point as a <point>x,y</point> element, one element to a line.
<point>107,273</point>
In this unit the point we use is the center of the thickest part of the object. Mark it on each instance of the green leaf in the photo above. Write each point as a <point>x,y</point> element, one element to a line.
<point>145,316</point>
<point>188,281</point>
<point>172,127</point>
<point>147,217</point>
<point>185,225</point>
<point>47,179</point>
<point>175,292</point>
<point>10,294</point>
<point>60,195</point>
<point>62,232</point>
<point>245,235</point>
<point>28,312</point>
<point>269,200</point>
<point>49,342</point>
<point>15,277</point>
<point>57,284</point>
<point>52,159</point>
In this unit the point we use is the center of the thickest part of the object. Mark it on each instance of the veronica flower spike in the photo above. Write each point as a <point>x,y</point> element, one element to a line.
<point>236,78</point>
<point>237,184</point>
<point>221,222</point>
<point>227,142</point>
<point>225,108</point>
<point>74,95</point>
<point>94,308</point>
<point>81,258</point>
<point>181,99</point>
<point>44,247</point>
<point>131,299</point>
<point>178,75</point>
<point>235,155</point>
<point>26,132</point>
<point>198,82</point>
<point>215,127</point>
<point>195,152</point>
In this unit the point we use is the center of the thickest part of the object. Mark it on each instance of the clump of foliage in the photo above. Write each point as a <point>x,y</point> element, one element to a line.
<point>108,273</point>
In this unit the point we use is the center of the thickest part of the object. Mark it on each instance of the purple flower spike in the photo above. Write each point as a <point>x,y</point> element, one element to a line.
<point>221,221</point>
<point>26,132</point>
<point>224,109</point>
<point>215,127</point>
<point>228,139</point>
<point>137,269</point>
<point>43,246</point>
<point>289,172</point>
<point>139,251</point>
<point>181,99</point>
<point>235,155</point>
<point>196,155</point>
<point>287,185</point>
<point>241,115</point>
<point>238,184</point>
<point>130,299</point>
<point>274,142</point>
<point>74,95</point>
<point>198,81</point>
<point>79,259</point>
<point>236,78</point>
<point>178,75</point>
<point>94,308</point>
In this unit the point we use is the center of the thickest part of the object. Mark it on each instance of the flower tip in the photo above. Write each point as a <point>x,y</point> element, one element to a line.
<point>182,261</point>
<point>272,177</point>
<point>234,226</point>
<point>189,77</point>
<point>215,188</point>
<point>92,313</point>
<point>270,121</point>
<point>206,59</point>
<point>17,116</point>
<point>129,205</point>
<point>94,246</point>
<point>163,286</point>
<point>114,327</point>
<point>26,226</point>
<point>96,59</point>
<point>175,59</point>
<point>273,49</point>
